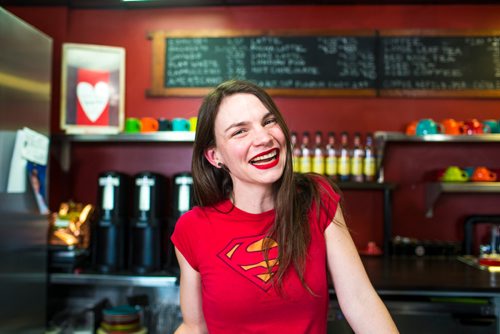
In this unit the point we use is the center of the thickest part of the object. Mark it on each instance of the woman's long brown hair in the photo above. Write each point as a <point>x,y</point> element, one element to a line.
<point>293,193</point>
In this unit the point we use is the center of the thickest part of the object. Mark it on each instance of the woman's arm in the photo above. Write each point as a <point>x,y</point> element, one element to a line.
<point>193,321</point>
<point>362,307</point>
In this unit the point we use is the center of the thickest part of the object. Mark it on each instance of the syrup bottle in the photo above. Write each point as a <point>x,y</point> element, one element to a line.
<point>305,156</point>
<point>369,168</point>
<point>331,157</point>
<point>296,152</point>
<point>357,157</point>
<point>344,160</point>
<point>318,156</point>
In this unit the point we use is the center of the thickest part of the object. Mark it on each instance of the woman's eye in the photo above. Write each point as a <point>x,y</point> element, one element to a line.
<point>238,132</point>
<point>270,121</point>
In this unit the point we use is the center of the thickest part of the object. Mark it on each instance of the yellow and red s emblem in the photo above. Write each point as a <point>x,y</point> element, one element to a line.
<point>245,256</point>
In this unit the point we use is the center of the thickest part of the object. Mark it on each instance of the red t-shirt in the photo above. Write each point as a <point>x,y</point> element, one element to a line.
<point>223,243</point>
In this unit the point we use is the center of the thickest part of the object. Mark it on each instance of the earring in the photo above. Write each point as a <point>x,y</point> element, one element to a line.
<point>219,164</point>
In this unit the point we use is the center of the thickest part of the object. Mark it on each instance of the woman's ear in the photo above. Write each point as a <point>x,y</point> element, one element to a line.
<point>211,156</point>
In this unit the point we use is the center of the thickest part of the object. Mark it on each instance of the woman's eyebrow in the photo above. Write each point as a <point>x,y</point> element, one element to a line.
<point>234,125</point>
<point>269,114</point>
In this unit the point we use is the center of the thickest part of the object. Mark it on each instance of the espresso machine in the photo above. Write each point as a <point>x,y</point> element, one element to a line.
<point>109,233</point>
<point>146,223</point>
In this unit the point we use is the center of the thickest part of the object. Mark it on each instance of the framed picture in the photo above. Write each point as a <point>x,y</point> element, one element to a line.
<point>92,88</point>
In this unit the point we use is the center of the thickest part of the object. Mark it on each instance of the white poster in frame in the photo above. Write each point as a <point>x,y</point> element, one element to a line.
<point>92,89</point>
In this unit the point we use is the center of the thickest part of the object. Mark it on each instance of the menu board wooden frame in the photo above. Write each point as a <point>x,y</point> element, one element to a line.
<point>158,39</point>
<point>455,93</point>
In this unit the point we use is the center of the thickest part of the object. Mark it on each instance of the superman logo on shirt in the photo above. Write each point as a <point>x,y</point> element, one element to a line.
<point>245,256</point>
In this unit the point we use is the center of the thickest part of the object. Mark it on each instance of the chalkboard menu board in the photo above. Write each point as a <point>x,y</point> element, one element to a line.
<point>439,63</point>
<point>325,63</point>
<point>293,64</point>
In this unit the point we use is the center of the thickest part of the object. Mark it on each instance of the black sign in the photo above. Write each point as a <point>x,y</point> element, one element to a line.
<point>283,62</point>
<point>322,63</point>
<point>439,63</point>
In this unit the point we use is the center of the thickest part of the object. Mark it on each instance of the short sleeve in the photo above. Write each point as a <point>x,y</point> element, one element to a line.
<point>183,238</point>
<point>329,203</point>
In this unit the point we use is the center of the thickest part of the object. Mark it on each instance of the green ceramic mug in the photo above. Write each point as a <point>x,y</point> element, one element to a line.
<point>454,174</point>
<point>132,125</point>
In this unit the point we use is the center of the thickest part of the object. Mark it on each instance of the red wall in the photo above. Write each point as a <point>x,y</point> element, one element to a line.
<point>407,165</point>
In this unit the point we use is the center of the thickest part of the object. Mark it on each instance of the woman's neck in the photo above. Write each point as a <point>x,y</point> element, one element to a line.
<point>253,199</point>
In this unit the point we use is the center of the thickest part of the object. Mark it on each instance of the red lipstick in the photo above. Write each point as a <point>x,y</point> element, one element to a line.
<point>271,164</point>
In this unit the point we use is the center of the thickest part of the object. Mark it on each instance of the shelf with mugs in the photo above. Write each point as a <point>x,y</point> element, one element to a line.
<point>382,138</point>
<point>158,136</point>
<point>434,189</point>
<point>63,142</point>
<point>387,136</point>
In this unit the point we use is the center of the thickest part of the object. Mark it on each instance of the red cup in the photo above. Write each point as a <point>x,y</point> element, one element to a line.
<point>471,127</point>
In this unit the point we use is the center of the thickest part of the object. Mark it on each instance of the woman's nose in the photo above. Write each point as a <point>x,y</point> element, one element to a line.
<point>262,137</point>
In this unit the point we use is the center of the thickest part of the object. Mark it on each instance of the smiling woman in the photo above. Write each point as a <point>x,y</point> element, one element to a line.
<point>249,144</point>
<point>260,235</point>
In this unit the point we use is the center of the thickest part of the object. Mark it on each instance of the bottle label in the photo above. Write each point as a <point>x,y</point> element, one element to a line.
<point>369,166</point>
<point>318,165</point>
<point>331,166</point>
<point>356,166</point>
<point>305,164</point>
<point>344,166</point>
<point>296,164</point>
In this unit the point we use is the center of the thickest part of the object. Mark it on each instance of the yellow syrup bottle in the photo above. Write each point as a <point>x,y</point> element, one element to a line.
<point>357,157</point>
<point>295,152</point>
<point>369,165</point>
<point>318,154</point>
<point>305,155</point>
<point>331,156</point>
<point>344,160</point>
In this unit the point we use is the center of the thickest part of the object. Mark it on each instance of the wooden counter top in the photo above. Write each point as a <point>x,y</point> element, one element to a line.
<point>391,275</point>
<point>398,274</point>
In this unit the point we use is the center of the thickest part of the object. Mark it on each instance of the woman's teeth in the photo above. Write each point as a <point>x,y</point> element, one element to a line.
<point>264,158</point>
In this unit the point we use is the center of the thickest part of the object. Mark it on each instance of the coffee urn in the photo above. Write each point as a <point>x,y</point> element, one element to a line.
<point>146,224</point>
<point>110,228</point>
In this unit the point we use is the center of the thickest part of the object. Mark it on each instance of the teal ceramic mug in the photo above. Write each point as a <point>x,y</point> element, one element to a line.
<point>180,124</point>
<point>469,171</point>
<point>426,126</point>
<point>491,126</point>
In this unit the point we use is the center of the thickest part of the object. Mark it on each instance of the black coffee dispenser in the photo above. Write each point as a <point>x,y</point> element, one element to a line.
<point>147,222</point>
<point>110,229</point>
